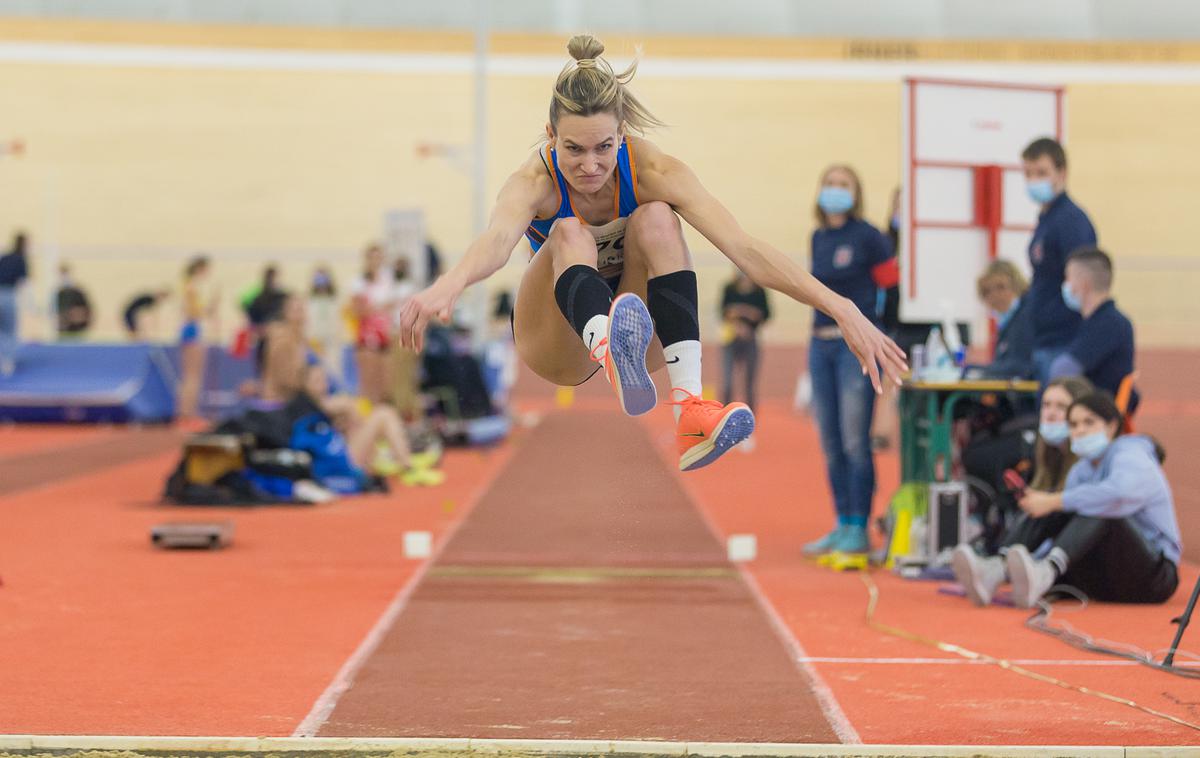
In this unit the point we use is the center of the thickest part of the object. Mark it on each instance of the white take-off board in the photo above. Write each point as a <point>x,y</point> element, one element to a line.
<point>963,199</point>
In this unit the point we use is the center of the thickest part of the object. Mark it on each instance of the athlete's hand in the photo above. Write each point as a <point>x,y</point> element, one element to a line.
<point>872,347</point>
<point>435,301</point>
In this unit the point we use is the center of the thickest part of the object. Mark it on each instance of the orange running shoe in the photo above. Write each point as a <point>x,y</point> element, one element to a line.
<point>707,429</point>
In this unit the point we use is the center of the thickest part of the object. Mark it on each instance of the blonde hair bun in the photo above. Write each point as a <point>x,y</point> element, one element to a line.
<point>584,46</point>
<point>589,85</point>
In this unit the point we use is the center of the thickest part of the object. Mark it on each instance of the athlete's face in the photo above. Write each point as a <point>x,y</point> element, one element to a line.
<point>587,149</point>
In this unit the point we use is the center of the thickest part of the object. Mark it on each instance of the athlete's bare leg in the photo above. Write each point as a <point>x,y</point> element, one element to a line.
<point>544,339</point>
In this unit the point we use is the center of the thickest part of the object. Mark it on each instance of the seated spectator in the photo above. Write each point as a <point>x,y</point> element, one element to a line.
<point>288,367</point>
<point>1043,452</point>
<point>72,305</point>
<point>136,315</point>
<point>1103,347</point>
<point>1112,531</point>
<point>1002,289</point>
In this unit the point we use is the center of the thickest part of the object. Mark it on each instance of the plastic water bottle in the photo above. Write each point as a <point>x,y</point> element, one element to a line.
<point>917,362</point>
<point>936,356</point>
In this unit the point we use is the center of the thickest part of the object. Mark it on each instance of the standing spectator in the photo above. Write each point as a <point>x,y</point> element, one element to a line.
<point>433,264</point>
<point>72,305</point>
<point>1062,227</point>
<point>14,269</point>
<point>373,295</point>
<point>1002,289</point>
<point>744,308</point>
<point>137,314</point>
<point>197,308</point>
<point>855,260</point>
<point>1103,347</point>
<point>404,389</point>
<point>325,320</point>
<point>266,303</point>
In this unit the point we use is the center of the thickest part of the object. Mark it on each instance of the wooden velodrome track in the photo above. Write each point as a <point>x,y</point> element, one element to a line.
<point>579,591</point>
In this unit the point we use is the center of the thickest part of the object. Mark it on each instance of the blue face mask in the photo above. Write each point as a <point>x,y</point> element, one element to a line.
<point>1090,446</point>
<point>835,199</point>
<point>1054,432</point>
<point>1071,300</point>
<point>1041,191</point>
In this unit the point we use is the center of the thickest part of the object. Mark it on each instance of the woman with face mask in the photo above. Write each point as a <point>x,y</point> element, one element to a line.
<point>1002,289</point>
<point>853,259</point>
<point>1113,531</point>
<point>1051,457</point>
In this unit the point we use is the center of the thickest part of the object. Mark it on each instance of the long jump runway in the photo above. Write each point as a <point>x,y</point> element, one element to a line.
<point>583,598</point>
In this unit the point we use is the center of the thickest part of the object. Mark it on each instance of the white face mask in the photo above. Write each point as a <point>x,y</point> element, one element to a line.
<point>1054,432</point>
<point>1090,446</point>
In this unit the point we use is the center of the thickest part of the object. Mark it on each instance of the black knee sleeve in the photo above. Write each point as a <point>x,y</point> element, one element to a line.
<point>581,293</point>
<point>672,302</point>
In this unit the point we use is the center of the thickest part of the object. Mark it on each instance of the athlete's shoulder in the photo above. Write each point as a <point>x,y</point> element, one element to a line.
<point>533,178</point>
<point>649,156</point>
<point>655,167</point>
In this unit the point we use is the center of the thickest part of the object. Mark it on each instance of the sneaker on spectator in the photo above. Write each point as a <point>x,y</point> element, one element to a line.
<point>1031,579</point>
<point>980,577</point>
<point>823,545</point>
<point>853,539</point>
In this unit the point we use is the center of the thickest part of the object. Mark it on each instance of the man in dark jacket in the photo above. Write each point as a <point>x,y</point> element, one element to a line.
<point>1062,228</point>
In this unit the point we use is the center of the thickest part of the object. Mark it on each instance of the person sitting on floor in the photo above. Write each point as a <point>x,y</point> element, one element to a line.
<point>288,367</point>
<point>1112,531</point>
<point>1045,447</point>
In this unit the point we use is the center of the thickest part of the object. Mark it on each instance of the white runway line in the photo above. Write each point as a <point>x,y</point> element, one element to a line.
<point>967,662</point>
<point>228,746</point>
<point>832,710</point>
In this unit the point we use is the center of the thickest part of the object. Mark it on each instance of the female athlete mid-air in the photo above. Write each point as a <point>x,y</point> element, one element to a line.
<point>611,284</point>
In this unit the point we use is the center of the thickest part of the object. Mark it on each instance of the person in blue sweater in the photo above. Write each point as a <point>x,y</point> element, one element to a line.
<point>1112,531</point>
<point>854,260</point>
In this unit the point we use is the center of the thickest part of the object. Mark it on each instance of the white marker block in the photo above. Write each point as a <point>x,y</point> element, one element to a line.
<point>742,547</point>
<point>418,544</point>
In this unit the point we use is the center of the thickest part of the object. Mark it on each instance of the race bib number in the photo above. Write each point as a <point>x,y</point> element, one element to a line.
<point>610,254</point>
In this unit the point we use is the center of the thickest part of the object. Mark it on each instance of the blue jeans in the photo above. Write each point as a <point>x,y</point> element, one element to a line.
<point>8,323</point>
<point>844,400</point>
<point>1042,358</point>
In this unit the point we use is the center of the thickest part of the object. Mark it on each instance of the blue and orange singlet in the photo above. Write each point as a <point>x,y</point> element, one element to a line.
<point>610,238</point>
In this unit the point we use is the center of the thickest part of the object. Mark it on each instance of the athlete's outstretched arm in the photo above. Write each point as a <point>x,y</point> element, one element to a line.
<point>673,182</point>
<point>516,206</point>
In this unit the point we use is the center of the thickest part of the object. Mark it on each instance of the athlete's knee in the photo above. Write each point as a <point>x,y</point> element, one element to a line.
<point>568,233</point>
<point>655,222</point>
